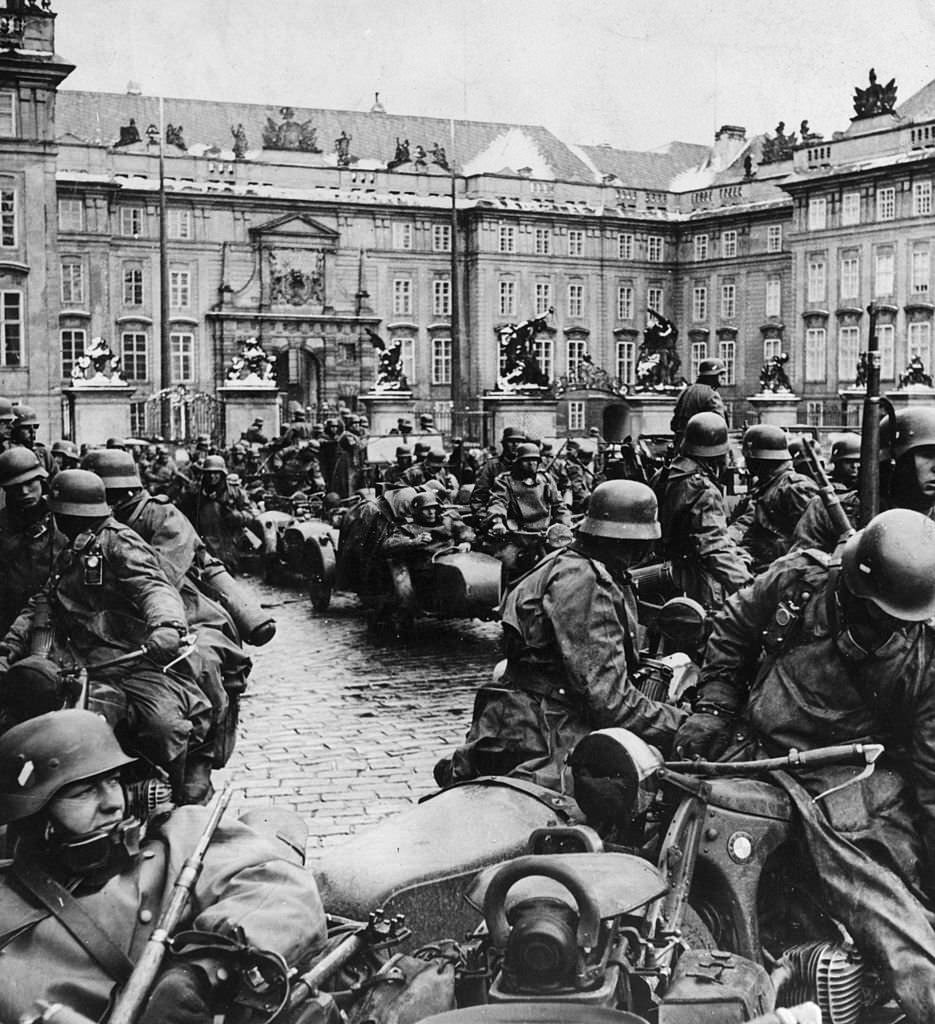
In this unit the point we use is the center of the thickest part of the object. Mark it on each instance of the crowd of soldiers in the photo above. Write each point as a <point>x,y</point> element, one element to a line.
<point>817,636</point>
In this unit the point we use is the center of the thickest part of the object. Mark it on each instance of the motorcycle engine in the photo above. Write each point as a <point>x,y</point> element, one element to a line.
<point>831,974</point>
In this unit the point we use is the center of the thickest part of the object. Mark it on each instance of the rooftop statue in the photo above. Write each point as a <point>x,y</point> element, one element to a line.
<point>875,99</point>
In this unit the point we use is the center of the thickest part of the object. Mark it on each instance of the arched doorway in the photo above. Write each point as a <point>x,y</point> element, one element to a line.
<point>299,377</point>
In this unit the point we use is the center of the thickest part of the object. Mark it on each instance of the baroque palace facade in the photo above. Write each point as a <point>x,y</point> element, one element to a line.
<point>308,228</point>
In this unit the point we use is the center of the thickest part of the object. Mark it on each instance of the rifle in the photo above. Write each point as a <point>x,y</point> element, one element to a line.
<point>869,479</point>
<point>829,496</point>
<point>133,997</point>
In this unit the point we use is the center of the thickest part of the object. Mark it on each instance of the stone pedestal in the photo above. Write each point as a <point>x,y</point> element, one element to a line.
<point>243,403</point>
<point>913,395</point>
<point>651,412</point>
<point>384,408</point>
<point>97,412</point>
<point>533,413</point>
<point>780,409</point>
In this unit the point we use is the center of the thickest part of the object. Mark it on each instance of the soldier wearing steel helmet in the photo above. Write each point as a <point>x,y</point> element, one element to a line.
<point>393,475</point>
<point>765,524</point>
<point>219,510</point>
<point>512,438</point>
<point>706,563</point>
<point>822,651</point>
<point>78,852</point>
<point>569,630</point>
<point>29,539</point>
<point>107,596</point>
<point>7,415</point>
<point>23,431</point>
<point>702,396</point>
<point>907,478</point>
<point>65,455</point>
<point>432,467</point>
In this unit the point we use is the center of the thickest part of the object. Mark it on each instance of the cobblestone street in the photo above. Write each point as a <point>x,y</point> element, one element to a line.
<point>344,726</point>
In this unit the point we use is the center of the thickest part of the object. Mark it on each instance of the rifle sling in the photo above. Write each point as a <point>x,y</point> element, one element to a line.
<point>60,903</point>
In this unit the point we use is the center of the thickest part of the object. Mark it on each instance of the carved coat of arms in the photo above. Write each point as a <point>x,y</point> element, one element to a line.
<point>296,279</point>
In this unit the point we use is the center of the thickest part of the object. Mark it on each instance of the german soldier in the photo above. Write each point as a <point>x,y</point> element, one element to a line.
<point>219,510</point>
<point>23,432</point>
<point>108,596</point>
<point>78,852</point>
<point>512,438</point>
<point>821,651</point>
<point>702,396</point>
<point>707,563</point>
<point>569,630</point>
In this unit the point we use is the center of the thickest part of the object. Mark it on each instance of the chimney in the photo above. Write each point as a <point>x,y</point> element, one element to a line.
<point>134,89</point>
<point>377,107</point>
<point>729,142</point>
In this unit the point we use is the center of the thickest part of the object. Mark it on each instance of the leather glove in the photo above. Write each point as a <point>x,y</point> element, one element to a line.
<point>164,644</point>
<point>703,735</point>
<point>182,995</point>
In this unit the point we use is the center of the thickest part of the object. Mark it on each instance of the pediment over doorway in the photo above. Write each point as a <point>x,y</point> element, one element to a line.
<point>297,229</point>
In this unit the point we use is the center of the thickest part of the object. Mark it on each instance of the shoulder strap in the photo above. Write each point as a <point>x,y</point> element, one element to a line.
<point>60,903</point>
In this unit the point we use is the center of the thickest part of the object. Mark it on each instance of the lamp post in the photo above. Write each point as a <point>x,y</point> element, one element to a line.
<point>157,135</point>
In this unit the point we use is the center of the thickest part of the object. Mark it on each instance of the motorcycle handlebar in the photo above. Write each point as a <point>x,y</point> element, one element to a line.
<point>847,753</point>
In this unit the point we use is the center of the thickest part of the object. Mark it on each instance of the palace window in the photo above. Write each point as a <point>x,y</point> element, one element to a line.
<point>131,221</point>
<point>402,296</point>
<point>772,347</point>
<point>848,352</point>
<point>815,348</point>
<point>182,349</point>
<point>11,328</point>
<point>697,352</point>
<point>8,218</point>
<point>543,241</point>
<point>576,415</point>
<point>71,215</point>
<point>180,289</point>
<point>920,269</point>
<point>576,300</point>
<point>625,302</point>
<point>544,349</point>
<point>919,338</point>
<point>543,297</point>
<point>507,238</point>
<point>701,247</point>
<point>922,198</point>
<point>402,235</point>
<point>817,280</point>
<point>7,113</point>
<point>577,350</point>
<point>850,276</point>
<point>817,213</point>
<point>884,272</point>
<point>626,361</point>
<point>727,352</point>
<point>850,208</point>
<point>441,360</point>
<point>654,298</point>
<point>441,238</point>
<point>625,246</point>
<point>886,203</point>
<point>729,244</point>
<point>774,238</point>
<point>179,224</point>
<point>133,351</point>
<point>575,243</point>
<point>441,296</point>
<point>407,359</point>
<point>700,302</point>
<point>654,248</point>
<point>132,285</point>
<point>728,300</point>
<point>71,347</point>
<point>72,281</point>
<point>773,296</point>
<point>507,298</point>
<point>886,336</point>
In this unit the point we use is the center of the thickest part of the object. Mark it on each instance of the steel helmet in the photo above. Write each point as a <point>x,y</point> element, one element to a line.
<point>846,447</point>
<point>513,434</point>
<point>18,465</point>
<point>25,416</point>
<point>114,466</point>
<point>528,450</point>
<point>710,368</point>
<point>891,562</point>
<point>67,448</point>
<point>403,451</point>
<point>214,464</point>
<point>42,755</point>
<point>705,435</point>
<point>78,492</point>
<point>766,441</point>
<point>424,500</point>
<point>622,510</point>
<point>6,411</point>
<point>914,428</point>
<point>436,457</point>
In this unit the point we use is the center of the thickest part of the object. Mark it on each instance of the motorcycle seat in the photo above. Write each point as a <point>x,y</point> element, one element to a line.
<point>750,796</point>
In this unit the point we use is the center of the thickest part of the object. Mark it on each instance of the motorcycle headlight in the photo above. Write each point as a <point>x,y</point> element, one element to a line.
<point>614,773</point>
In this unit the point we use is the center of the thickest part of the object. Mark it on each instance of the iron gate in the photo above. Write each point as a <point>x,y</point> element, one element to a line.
<point>187,414</point>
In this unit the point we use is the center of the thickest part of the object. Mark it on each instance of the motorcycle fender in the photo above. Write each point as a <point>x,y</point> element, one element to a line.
<point>467,583</point>
<point>421,862</point>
